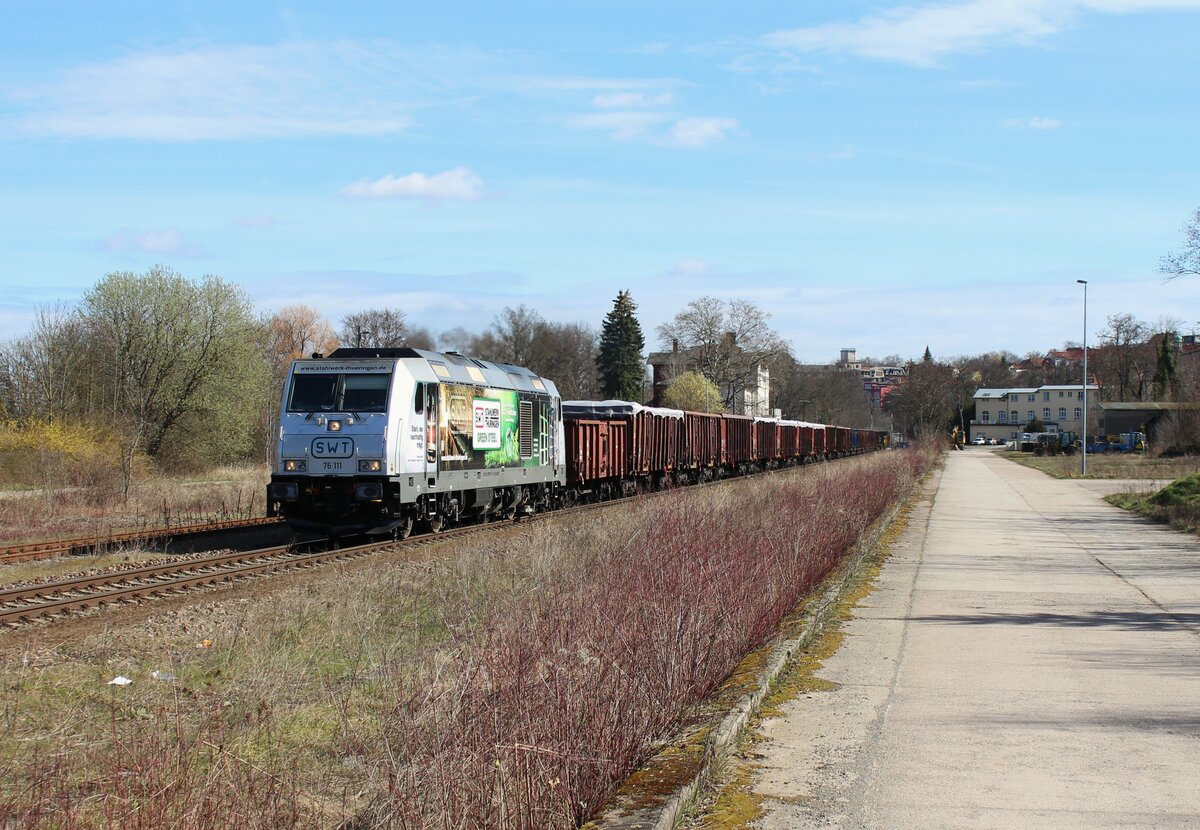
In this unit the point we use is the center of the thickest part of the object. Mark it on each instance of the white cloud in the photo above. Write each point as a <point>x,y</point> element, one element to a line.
<point>292,89</point>
<point>571,83</point>
<point>689,267</point>
<point>621,125</point>
<point>921,35</point>
<point>631,100</point>
<point>459,183</point>
<point>256,222</point>
<point>1035,123</point>
<point>245,92</point>
<point>696,132</point>
<point>166,241</point>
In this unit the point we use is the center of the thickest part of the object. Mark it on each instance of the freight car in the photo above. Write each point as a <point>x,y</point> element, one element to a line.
<point>378,441</point>
<point>618,448</point>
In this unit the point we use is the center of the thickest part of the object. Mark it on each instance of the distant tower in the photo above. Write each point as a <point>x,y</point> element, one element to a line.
<point>849,360</point>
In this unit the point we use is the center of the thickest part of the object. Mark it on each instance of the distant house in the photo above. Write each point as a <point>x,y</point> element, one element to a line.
<point>753,399</point>
<point>1003,413</point>
<point>878,381</point>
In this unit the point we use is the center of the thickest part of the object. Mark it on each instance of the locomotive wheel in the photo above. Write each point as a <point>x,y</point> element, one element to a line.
<point>435,524</point>
<point>404,530</point>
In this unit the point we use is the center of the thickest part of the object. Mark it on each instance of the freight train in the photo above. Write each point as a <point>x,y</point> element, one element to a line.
<point>381,441</point>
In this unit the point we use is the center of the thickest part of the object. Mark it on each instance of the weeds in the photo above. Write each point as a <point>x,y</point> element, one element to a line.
<point>1177,504</point>
<point>1110,465</point>
<point>508,683</point>
<point>560,695</point>
<point>98,509</point>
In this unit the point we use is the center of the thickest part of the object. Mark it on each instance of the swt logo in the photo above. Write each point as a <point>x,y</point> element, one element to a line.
<point>332,447</point>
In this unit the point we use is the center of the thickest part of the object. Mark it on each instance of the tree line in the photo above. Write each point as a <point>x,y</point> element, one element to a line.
<point>185,372</point>
<point>1129,359</point>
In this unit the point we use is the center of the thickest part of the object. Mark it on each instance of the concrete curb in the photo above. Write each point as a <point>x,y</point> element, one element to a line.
<point>723,739</point>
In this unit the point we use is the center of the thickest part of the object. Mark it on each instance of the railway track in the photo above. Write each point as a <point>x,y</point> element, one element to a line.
<point>20,605</point>
<point>69,596</point>
<point>100,544</point>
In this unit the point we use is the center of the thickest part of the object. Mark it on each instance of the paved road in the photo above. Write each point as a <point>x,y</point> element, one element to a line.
<point>1030,658</point>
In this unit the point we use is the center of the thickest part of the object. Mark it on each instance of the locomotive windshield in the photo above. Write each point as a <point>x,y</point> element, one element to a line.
<point>339,393</point>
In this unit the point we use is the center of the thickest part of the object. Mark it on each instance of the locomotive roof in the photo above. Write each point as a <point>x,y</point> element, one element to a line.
<point>456,368</point>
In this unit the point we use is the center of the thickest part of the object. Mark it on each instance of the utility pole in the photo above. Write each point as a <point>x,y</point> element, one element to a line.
<point>1083,442</point>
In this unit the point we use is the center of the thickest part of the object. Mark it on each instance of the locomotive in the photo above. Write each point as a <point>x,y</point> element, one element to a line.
<point>377,441</point>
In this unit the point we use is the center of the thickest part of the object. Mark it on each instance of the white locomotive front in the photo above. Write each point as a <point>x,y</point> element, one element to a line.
<point>379,440</point>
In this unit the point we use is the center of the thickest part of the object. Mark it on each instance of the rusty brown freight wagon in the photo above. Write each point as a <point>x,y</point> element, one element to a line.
<point>766,440</point>
<point>597,450</point>
<point>656,441</point>
<point>702,444</point>
<point>643,443</point>
<point>737,444</point>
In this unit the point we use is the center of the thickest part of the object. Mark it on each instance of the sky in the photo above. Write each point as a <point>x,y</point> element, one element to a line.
<point>876,175</point>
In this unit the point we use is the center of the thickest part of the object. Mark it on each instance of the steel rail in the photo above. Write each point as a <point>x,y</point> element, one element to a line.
<point>50,598</point>
<point>47,599</point>
<point>94,544</point>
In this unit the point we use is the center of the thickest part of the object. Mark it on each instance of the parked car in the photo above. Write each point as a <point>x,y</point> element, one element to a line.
<point>979,440</point>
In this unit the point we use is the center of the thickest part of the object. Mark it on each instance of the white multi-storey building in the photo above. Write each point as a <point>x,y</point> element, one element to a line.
<point>1003,413</point>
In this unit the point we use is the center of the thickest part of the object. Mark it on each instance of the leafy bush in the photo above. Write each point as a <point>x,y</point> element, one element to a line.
<point>1181,493</point>
<point>56,453</point>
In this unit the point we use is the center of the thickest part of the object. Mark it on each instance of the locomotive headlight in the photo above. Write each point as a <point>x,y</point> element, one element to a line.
<point>334,426</point>
<point>372,491</point>
<point>373,465</point>
<point>294,465</point>
<point>285,490</point>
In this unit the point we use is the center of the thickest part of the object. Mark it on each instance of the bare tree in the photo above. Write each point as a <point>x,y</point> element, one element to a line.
<point>512,337</point>
<point>928,403</point>
<point>1186,261</point>
<point>565,352</point>
<point>824,394</point>
<point>725,341</point>
<point>43,375</point>
<point>297,331</point>
<point>1125,360</point>
<point>375,328</point>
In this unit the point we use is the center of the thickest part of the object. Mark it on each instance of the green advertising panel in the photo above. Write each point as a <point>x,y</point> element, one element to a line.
<point>480,428</point>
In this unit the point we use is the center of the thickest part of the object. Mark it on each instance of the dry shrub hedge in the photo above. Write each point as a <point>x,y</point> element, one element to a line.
<point>559,695</point>
<point>538,702</point>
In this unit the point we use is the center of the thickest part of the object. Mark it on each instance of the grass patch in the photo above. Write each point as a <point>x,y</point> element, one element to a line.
<point>1109,465</point>
<point>154,503</point>
<point>1177,504</point>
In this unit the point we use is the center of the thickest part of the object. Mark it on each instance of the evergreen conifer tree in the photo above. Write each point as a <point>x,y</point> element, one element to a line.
<point>928,358</point>
<point>622,370</point>
<point>1166,374</point>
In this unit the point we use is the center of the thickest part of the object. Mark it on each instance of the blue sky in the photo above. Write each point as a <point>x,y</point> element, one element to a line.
<point>878,175</point>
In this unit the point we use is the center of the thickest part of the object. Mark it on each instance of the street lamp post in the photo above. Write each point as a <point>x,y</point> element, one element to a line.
<point>1083,442</point>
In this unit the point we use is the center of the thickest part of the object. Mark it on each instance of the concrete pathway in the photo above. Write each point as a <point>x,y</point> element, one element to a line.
<point>1029,658</point>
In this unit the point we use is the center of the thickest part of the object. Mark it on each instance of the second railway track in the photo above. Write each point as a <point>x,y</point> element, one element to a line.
<point>24,604</point>
<point>101,543</point>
